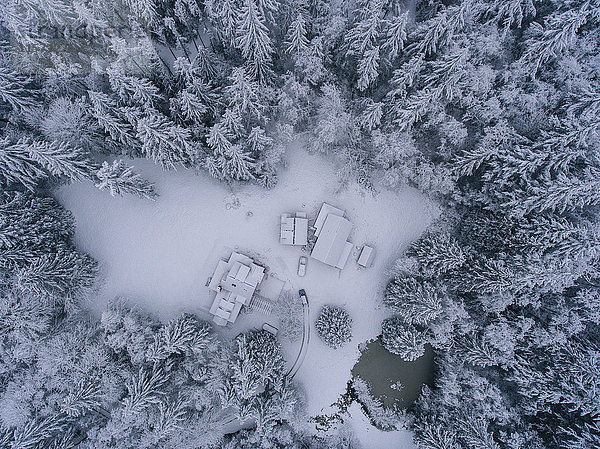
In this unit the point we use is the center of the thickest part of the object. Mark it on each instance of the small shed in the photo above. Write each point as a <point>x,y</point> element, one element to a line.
<point>294,230</point>
<point>366,256</point>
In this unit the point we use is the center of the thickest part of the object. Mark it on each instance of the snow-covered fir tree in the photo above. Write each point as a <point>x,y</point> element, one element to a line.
<point>120,179</point>
<point>297,41</point>
<point>252,38</point>
<point>334,326</point>
<point>403,339</point>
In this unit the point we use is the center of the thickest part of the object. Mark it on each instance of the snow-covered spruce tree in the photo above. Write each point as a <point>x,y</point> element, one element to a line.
<point>134,90</point>
<point>371,116</point>
<point>143,390</point>
<point>17,167</point>
<point>252,38</point>
<point>438,254</point>
<point>68,122</point>
<point>24,319</point>
<point>110,118</point>
<point>415,302</point>
<point>243,94</point>
<point>225,13</point>
<point>181,336</point>
<point>334,127</point>
<point>397,35</point>
<point>28,161</point>
<point>297,41</point>
<point>164,142</point>
<point>402,339</point>
<point>363,40</point>
<point>127,333</point>
<point>120,179</point>
<point>230,161</point>
<point>258,141</point>
<point>253,380</point>
<point>334,326</point>
<point>15,89</point>
<point>59,159</point>
<point>37,254</point>
<point>58,276</point>
<point>382,417</point>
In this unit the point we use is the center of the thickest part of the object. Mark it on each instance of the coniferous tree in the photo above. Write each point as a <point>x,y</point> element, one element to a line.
<point>164,142</point>
<point>402,339</point>
<point>119,179</point>
<point>334,326</point>
<point>243,94</point>
<point>297,42</point>
<point>252,38</point>
<point>14,89</point>
<point>110,118</point>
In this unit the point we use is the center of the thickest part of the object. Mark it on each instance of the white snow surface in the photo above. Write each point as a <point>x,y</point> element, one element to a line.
<point>159,254</point>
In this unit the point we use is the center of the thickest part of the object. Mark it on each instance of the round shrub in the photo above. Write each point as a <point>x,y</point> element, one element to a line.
<point>334,326</point>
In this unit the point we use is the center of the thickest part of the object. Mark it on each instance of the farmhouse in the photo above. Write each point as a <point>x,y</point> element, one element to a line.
<point>234,282</point>
<point>332,231</point>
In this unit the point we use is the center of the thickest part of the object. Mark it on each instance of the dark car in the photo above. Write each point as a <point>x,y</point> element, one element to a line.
<point>302,294</point>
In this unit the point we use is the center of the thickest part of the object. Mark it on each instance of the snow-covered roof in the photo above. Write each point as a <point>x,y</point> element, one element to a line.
<point>234,282</point>
<point>326,210</point>
<point>366,256</point>
<point>332,246</point>
<point>294,230</point>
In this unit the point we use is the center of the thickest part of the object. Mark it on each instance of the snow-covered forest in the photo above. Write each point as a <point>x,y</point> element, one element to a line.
<point>489,108</point>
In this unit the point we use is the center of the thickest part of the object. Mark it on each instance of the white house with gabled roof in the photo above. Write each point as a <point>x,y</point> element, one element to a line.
<point>332,231</point>
<point>234,283</point>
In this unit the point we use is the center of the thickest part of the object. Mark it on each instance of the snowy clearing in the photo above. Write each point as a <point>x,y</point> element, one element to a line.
<point>160,254</point>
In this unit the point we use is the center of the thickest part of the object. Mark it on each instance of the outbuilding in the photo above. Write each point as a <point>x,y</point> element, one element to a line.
<point>366,257</point>
<point>294,229</point>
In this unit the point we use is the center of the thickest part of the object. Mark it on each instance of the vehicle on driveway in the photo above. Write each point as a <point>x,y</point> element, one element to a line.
<point>303,297</point>
<point>302,266</point>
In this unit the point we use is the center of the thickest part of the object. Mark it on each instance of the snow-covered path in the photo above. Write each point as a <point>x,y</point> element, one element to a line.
<point>160,254</point>
<point>305,339</point>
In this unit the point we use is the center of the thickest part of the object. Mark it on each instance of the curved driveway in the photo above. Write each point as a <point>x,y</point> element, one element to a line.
<point>305,340</point>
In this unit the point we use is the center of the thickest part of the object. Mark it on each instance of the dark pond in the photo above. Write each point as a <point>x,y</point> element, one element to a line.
<point>381,369</point>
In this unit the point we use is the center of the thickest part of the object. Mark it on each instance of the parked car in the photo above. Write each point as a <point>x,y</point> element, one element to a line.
<point>302,266</point>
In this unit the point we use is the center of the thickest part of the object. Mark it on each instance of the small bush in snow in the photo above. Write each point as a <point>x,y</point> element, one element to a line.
<point>334,326</point>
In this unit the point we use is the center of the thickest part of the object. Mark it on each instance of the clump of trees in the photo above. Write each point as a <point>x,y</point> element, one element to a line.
<point>131,381</point>
<point>490,107</point>
<point>334,326</point>
<point>504,285</point>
